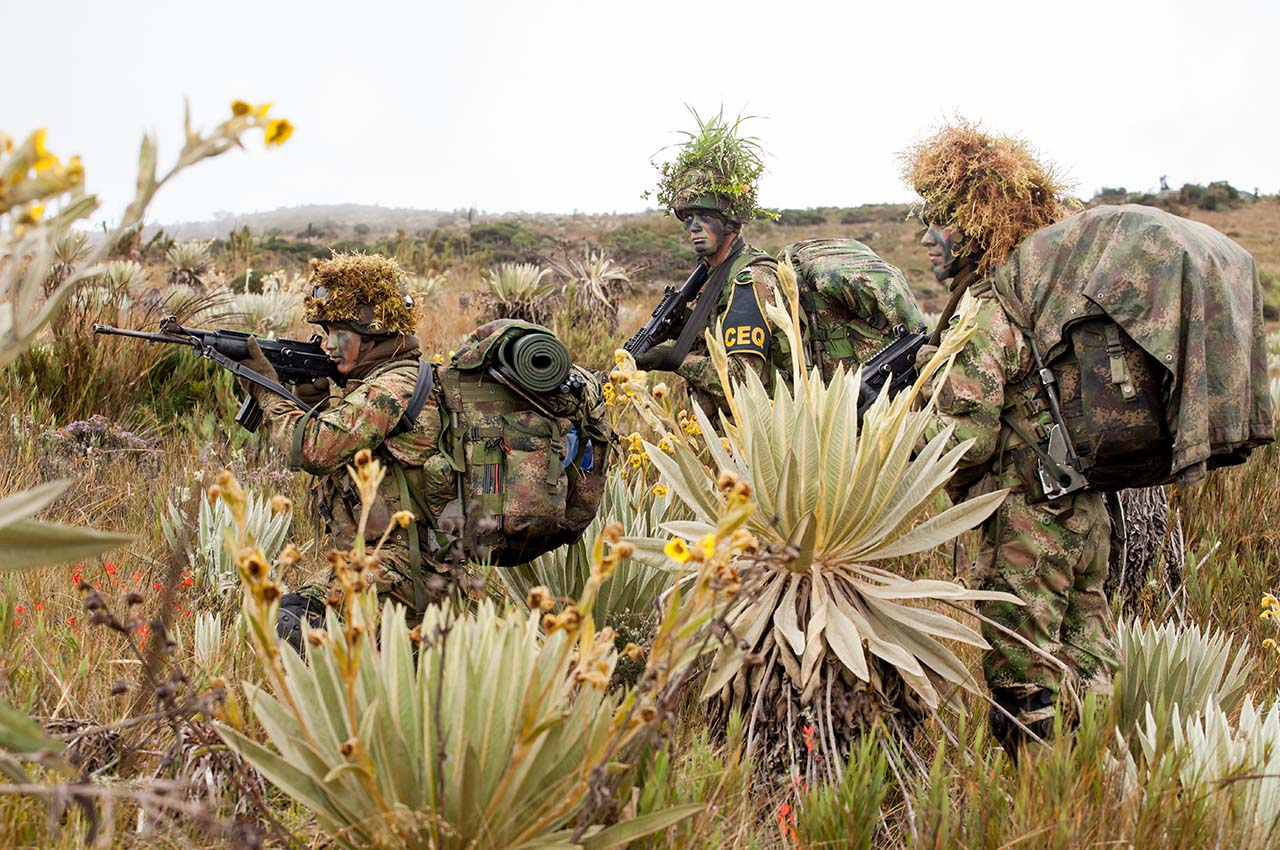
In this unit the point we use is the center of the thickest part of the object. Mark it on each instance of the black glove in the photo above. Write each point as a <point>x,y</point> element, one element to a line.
<point>311,394</point>
<point>652,359</point>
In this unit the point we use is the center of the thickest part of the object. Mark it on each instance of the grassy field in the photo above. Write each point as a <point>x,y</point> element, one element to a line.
<point>163,431</point>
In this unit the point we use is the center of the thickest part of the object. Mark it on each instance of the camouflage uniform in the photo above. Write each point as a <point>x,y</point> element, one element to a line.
<point>324,443</point>
<point>1052,555</point>
<point>752,283</point>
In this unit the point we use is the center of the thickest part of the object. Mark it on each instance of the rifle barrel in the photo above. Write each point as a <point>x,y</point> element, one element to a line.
<point>112,331</point>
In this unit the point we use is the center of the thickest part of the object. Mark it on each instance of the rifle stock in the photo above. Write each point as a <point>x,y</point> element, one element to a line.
<point>895,365</point>
<point>666,320</point>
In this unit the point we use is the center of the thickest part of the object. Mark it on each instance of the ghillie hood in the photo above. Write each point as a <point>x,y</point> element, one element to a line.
<point>715,168</point>
<point>363,291</point>
<point>990,186</point>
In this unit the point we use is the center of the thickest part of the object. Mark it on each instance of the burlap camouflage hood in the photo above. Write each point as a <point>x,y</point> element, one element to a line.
<point>361,290</point>
<point>990,186</point>
<point>1184,292</point>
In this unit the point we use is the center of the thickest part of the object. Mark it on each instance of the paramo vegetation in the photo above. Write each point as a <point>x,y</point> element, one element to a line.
<point>765,639</point>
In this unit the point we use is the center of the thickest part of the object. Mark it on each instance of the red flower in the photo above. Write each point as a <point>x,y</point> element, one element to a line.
<point>71,621</point>
<point>137,576</point>
<point>20,610</point>
<point>157,586</point>
<point>75,578</point>
<point>186,613</point>
<point>188,581</point>
<point>110,568</point>
<point>808,738</point>
<point>39,606</point>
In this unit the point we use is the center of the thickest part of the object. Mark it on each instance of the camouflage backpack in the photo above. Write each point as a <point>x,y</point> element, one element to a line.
<point>525,434</point>
<point>1150,352</point>
<point>852,299</point>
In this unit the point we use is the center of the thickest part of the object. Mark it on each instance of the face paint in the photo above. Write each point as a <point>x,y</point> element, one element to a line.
<point>343,348</point>
<point>706,229</point>
<point>941,242</point>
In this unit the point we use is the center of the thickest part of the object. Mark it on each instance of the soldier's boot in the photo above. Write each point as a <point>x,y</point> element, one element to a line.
<point>1034,710</point>
<point>295,608</point>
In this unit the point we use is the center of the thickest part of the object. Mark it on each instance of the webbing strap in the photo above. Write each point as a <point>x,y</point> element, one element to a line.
<point>421,392</point>
<point>415,557</point>
<point>1052,465</point>
<point>299,433</point>
<point>1119,368</point>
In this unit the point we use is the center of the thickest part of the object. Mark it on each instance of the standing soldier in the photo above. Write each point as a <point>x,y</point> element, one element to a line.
<point>369,325</point>
<point>711,189</point>
<point>983,194</point>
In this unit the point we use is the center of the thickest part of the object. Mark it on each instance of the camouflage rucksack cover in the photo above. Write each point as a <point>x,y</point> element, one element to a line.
<point>852,300</point>
<point>528,464</point>
<point>1152,326</point>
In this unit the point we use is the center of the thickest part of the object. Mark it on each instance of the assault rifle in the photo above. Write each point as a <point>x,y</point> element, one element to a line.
<point>895,364</point>
<point>666,319</point>
<point>295,361</point>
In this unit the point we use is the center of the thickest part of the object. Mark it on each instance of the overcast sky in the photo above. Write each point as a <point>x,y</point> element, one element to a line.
<point>558,105</point>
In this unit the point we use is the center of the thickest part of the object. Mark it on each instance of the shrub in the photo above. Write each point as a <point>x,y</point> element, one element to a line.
<point>801,218</point>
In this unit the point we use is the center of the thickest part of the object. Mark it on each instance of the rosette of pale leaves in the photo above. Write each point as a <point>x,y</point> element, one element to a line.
<point>484,742</point>
<point>843,498</point>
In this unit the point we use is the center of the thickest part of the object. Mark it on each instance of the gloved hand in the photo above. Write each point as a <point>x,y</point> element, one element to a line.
<point>258,362</point>
<point>313,393</point>
<point>652,359</point>
<point>925,354</point>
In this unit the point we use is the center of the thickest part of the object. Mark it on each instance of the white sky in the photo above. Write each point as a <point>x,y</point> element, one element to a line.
<point>558,105</point>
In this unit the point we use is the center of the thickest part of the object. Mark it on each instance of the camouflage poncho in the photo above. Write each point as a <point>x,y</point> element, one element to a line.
<point>1184,292</point>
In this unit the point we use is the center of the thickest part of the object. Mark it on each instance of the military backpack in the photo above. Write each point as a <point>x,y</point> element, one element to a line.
<point>852,300</point>
<point>525,436</point>
<point>1150,363</point>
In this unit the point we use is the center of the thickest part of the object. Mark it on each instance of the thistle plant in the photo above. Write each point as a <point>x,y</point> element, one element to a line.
<point>827,636</point>
<point>501,734</point>
<point>518,291</point>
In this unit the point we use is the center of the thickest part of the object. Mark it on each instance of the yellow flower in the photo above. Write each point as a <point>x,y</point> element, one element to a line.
<point>1268,644</point>
<point>262,109</point>
<point>708,545</point>
<point>31,214</point>
<point>665,444</point>
<point>1269,601</point>
<point>609,394</point>
<point>75,171</point>
<point>691,427</point>
<point>677,551</point>
<point>1268,614</point>
<point>661,489</point>
<point>402,518</point>
<point>239,108</point>
<point>437,358</point>
<point>636,460</point>
<point>281,504</point>
<point>278,131</point>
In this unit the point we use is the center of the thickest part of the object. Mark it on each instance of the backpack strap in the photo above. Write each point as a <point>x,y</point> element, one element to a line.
<point>421,391</point>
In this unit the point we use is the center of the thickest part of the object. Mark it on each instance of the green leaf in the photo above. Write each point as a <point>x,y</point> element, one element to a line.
<point>25,544</point>
<point>28,503</point>
<point>22,735</point>
<point>621,834</point>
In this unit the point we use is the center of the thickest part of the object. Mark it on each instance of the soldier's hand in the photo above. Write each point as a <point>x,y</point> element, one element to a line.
<point>651,359</point>
<point>258,362</point>
<point>313,393</point>
<point>925,354</point>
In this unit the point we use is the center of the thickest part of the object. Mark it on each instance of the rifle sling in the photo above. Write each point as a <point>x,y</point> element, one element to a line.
<point>966,276</point>
<point>707,300</point>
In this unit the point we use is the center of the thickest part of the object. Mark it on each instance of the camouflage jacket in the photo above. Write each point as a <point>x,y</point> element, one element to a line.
<point>981,387</point>
<point>325,442</point>
<point>751,340</point>
<point>852,301</point>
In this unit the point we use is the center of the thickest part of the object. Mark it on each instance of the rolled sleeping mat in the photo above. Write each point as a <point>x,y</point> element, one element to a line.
<point>536,360</point>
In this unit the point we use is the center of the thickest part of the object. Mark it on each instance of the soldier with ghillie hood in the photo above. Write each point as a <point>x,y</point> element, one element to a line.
<point>982,195</point>
<point>711,188</point>
<point>369,332</point>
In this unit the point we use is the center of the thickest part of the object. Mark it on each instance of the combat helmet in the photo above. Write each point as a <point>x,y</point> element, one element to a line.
<point>363,291</point>
<point>716,168</point>
<point>992,187</point>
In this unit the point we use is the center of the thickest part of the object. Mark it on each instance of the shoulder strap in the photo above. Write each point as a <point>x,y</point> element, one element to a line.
<point>707,301</point>
<point>421,391</point>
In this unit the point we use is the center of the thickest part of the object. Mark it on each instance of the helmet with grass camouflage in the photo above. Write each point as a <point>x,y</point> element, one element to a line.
<point>363,291</point>
<point>717,168</point>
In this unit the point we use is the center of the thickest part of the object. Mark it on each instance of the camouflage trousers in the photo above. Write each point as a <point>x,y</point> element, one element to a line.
<point>1054,558</point>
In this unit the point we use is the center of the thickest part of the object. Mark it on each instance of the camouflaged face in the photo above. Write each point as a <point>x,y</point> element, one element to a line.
<point>852,299</point>
<point>1184,292</point>
<point>1053,558</point>
<point>361,290</point>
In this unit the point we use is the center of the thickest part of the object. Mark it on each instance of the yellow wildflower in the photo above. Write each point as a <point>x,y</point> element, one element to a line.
<point>278,131</point>
<point>677,551</point>
<point>636,460</point>
<point>708,545</point>
<point>281,504</point>
<point>31,214</point>
<point>402,518</point>
<point>1269,601</point>
<point>661,489</point>
<point>620,356</point>
<point>632,651</point>
<point>1268,614</point>
<point>665,444</point>
<point>239,108</point>
<point>1268,644</point>
<point>609,394</point>
<point>75,171</point>
<point>660,391</point>
<point>262,109</point>
<point>691,427</point>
